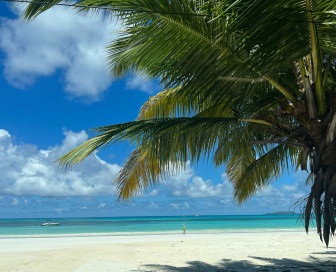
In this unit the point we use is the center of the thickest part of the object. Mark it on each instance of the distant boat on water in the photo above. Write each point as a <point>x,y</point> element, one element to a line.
<point>48,224</point>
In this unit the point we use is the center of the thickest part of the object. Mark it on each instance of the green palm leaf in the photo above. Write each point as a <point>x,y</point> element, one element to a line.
<point>257,173</point>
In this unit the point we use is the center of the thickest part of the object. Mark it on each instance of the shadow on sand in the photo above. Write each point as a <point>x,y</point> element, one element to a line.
<point>278,265</point>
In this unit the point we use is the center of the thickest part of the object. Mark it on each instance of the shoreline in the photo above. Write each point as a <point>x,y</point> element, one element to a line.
<point>148,233</point>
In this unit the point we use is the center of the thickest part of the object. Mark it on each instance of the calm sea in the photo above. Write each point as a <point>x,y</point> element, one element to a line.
<point>147,224</point>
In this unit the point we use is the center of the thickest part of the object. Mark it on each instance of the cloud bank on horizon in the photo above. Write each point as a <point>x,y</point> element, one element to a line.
<point>27,171</point>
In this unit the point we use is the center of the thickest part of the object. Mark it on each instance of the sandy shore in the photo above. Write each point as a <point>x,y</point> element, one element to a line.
<point>230,251</point>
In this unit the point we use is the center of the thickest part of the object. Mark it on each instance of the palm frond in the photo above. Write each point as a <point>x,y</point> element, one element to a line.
<point>317,59</point>
<point>138,174</point>
<point>156,132</point>
<point>34,9</point>
<point>254,173</point>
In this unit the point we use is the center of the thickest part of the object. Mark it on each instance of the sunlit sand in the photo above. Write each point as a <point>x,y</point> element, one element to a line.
<point>271,250</point>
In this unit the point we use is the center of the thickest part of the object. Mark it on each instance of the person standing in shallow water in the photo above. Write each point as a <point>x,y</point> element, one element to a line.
<point>184,229</point>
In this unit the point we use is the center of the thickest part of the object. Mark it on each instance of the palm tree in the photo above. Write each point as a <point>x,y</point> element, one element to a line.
<point>249,84</point>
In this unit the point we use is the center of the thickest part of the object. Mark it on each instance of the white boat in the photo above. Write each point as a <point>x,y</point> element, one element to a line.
<point>50,224</point>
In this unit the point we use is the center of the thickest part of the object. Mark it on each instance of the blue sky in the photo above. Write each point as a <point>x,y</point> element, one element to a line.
<point>55,85</point>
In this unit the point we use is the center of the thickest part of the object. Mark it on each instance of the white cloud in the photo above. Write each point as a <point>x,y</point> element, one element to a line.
<point>28,171</point>
<point>57,40</point>
<point>290,188</point>
<point>153,205</point>
<point>61,210</point>
<point>15,202</point>
<point>275,197</point>
<point>139,82</point>
<point>179,206</point>
<point>154,192</point>
<point>187,184</point>
<point>281,198</point>
<point>225,201</point>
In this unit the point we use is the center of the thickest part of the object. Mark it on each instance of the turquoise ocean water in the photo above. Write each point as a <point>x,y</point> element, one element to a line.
<point>147,224</point>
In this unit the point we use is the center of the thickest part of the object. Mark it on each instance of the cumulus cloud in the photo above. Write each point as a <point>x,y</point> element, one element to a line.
<point>29,171</point>
<point>187,184</point>
<point>57,40</point>
<point>218,194</point>
<point>15,202</point>
<point>180,206</point>
<point>281,197</point>
<point>139,82</point>
<point>153,192</point>
<point>61,210</point>
<point>153,205</point>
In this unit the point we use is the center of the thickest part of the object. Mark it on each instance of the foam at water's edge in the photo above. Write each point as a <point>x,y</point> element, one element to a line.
<point>123,234</point>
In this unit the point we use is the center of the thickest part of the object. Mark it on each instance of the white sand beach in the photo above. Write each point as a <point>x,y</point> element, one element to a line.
<point>277,250</point>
